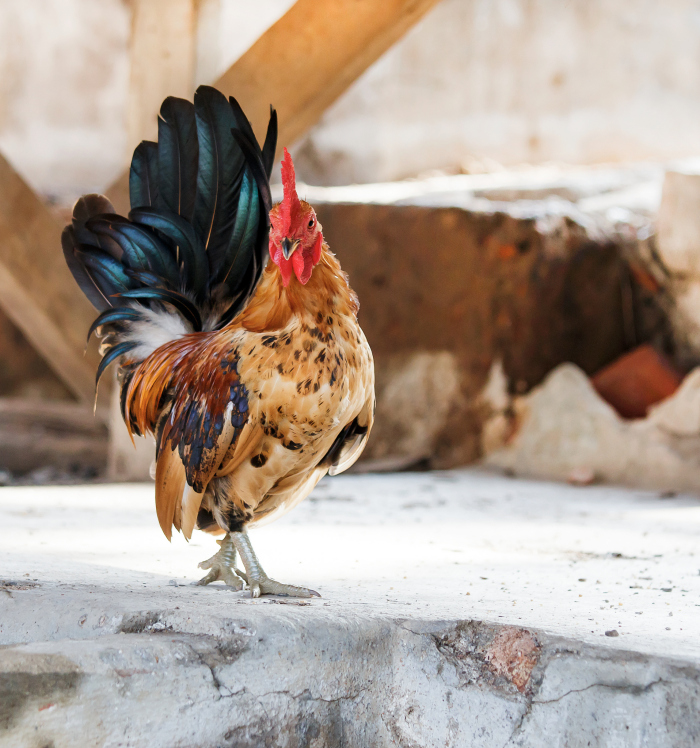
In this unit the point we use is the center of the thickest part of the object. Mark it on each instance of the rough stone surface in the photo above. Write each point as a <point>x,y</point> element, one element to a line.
<point>678,225</point>
<point>459,608</point>
<point>678,243</point>
<point>564,429</point>
<point>534,291</point>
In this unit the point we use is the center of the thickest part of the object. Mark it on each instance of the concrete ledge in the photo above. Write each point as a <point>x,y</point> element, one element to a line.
<point>459,609</point>
<point>292,678</point>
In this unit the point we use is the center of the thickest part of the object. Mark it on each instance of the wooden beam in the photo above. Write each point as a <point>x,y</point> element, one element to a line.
<point>162,58</point>
<point>303,63</point>
<point>37,291</point>
<point>306,60</point>
<point>40,434</point>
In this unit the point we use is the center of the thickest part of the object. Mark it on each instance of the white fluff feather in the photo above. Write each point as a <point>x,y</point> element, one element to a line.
<point>157,328</point>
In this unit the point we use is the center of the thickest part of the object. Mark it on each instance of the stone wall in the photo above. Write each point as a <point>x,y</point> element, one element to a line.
<point>446,292</point>
<point>519,81</point>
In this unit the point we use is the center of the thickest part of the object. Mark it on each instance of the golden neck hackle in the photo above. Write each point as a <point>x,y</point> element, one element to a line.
<point>273,307</point>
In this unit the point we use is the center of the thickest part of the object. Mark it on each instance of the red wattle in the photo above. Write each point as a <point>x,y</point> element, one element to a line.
<point>301,270</point>
<point>285,271</point>
<point>317,249</point>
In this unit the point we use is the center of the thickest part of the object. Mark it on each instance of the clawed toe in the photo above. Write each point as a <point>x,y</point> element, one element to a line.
<point>222,573</point>
<point>222,567</point>
<point>267,586</point>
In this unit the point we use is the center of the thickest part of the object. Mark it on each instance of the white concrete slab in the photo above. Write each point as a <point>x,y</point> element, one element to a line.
<point>446,559</point>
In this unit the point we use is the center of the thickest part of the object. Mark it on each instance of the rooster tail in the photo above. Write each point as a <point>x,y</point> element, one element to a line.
<point>192,249</point>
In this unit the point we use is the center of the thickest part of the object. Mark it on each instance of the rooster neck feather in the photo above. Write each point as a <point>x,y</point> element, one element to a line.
<point>274,306</point>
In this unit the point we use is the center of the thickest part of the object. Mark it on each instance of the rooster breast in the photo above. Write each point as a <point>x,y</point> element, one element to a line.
<point>304,385</point>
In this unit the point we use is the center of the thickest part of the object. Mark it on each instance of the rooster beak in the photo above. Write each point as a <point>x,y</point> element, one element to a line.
<point>289,247</point>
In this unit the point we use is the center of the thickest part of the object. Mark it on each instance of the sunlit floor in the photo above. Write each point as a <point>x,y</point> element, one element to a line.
<point>573,561</point>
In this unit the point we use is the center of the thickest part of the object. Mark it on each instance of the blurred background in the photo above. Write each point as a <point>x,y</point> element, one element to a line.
<point>511,184</point>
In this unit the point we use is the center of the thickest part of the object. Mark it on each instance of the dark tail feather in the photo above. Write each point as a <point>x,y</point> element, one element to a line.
<point>82,275</point>
<point>178,153</point>
<point>253,158</point>
<point>188,310</point>
<point>242,244</point>
<point>220,167</point>
<point>75,235</point>
<point>86,208</point>
<point>142,249</point>
<point>113,353</point>
<point>242,123</point>
<point>270,145</point>
<point>196,239</point>
<point>143,175</point>
<point>191,255</point>
<point>110,316</point>
<point>108,272</point>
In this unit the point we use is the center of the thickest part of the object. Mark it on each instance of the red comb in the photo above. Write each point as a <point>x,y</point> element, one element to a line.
<point>290,205</point>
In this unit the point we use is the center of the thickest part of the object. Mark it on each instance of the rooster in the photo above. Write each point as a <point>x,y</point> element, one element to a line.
<point>233,326</point>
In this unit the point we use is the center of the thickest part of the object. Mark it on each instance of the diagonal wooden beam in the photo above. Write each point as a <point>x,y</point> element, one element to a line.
<point>162,58</point>
<point>305,61</point>
<point>37,291</point>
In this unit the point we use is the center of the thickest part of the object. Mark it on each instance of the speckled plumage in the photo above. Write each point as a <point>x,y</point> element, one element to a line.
<point>234,328</point>
<point>249,412</point>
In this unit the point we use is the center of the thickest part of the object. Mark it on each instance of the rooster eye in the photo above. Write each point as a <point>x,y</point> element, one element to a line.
<point>311,223</point>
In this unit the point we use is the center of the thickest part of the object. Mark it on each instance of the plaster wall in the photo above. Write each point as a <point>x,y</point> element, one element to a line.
<point>475,84</point>
<point>513,81</point>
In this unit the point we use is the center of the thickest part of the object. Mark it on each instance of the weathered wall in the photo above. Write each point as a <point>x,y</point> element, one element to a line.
<point>517,81</point>
<point>476,81</point>
<point>64,73</point>
<point>446,292</point>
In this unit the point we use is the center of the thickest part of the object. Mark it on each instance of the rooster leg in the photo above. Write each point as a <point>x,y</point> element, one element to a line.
<point>222,565</point>
<point>258,581</point>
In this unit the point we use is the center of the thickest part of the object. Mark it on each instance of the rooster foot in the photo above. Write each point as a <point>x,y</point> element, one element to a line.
<point>267,586</point>
<point>222,566</point>
<point>258,582</point>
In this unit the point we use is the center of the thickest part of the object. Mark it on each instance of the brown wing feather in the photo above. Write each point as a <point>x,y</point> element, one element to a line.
<point>247,442</point>
<point>170,483</point>
<point>191,502</point>
<point>354,446</point>
<point>176,506</point>
<point>210,462</point>
<point>208,411</point>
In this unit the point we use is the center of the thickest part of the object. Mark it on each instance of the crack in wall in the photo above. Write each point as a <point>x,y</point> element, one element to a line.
<point>636,690</point>
<point>533,702</point>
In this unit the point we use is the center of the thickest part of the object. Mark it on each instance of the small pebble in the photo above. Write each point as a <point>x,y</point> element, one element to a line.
<point>612,632</point>
<point>581,476</point>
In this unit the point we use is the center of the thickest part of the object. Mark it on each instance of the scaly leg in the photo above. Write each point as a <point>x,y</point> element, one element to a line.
<point>258,582</point>
<point>222,565</point>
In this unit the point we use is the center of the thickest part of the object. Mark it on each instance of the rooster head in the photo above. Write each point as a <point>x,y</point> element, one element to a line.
<point>296,240</point>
